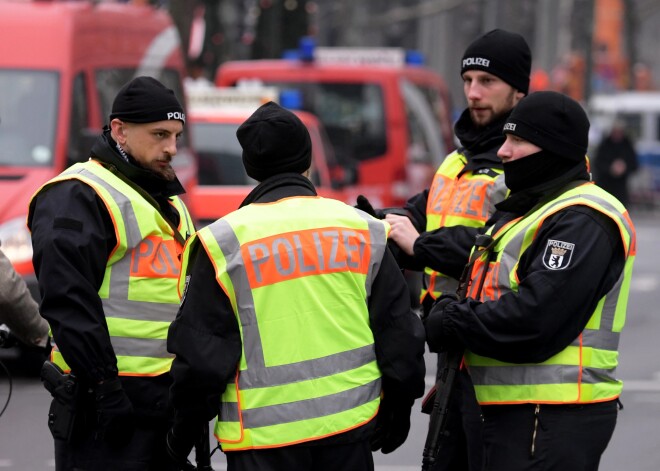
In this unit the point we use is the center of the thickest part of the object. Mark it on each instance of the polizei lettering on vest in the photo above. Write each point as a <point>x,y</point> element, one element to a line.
<point>310,252</point>
<point>155,258</point>
<point>468,61</point>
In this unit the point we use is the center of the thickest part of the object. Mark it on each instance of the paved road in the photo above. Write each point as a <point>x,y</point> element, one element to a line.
<point>25,443</point>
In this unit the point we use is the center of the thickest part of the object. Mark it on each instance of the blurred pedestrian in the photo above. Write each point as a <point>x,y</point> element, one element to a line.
<point>108,236</point>
<point>615,161</point>
<point>547,296</point>
<point>295,322</point>
<point>18,311</point>
<point>496,75</point>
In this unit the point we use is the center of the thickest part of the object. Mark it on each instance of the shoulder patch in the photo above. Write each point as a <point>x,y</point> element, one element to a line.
<point>557,255</point>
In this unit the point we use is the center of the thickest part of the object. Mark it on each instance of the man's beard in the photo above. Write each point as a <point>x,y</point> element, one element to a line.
<point>166,173</point>
<point>495,116</point>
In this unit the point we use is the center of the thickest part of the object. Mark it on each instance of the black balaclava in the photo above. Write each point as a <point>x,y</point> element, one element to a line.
<point>559,126</point>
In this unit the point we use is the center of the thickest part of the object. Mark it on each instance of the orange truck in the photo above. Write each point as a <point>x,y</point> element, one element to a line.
<point>61,65</point>
<point>387,116</point>
<point>214,114</point>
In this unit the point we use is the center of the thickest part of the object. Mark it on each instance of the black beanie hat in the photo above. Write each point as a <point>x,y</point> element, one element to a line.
<point>146,100</point>
<point>503,54</point>
<point>552,121</point>
<point>274,141</point>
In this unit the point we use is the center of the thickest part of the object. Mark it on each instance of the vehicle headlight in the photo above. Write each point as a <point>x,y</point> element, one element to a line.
<point>15,241</point>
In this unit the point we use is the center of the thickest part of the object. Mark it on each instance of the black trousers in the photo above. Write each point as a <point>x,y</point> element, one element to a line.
<point>351,456</point>
<point>461,448</point>
<point>144,452</point>
<point>550,438</point>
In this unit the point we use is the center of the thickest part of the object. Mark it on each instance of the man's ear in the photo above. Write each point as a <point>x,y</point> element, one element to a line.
<point>118,130</point>
<point>519,96</point>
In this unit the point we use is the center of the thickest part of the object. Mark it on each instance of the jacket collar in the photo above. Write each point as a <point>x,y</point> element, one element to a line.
<point>280,186</point>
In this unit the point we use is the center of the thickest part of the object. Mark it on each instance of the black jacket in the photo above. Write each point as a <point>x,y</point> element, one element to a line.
<point>72,238</point>
<point>207,343</point>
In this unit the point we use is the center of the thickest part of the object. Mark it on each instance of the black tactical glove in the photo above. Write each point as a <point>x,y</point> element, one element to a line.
<point>364,204</point>
<point>116,421</point>
<point>392,424</point>
<point>433,322</point>
<point>180,441</point>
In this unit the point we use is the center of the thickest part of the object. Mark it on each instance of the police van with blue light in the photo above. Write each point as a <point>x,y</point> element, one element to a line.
<point>386,114</point>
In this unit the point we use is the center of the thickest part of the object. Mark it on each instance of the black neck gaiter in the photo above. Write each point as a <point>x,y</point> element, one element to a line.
<point>534,170</point>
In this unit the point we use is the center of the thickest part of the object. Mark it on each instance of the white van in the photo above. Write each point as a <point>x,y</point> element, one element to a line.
<point>640,111</point>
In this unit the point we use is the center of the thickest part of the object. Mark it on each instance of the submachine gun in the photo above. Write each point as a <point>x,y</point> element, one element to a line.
<point>436,402</point>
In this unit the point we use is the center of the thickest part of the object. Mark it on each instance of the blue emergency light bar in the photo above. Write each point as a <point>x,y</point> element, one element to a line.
<point>307,48</point>
<point>291,99</point>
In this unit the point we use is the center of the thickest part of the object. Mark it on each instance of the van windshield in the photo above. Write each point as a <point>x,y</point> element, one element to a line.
<point>28,117</point>
<point>219,153</point>
<point>353,115</point>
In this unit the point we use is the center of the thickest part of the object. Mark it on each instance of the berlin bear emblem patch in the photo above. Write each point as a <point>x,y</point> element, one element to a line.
<point>557,254</point>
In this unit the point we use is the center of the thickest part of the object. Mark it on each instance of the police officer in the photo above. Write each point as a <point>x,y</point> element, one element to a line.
<point>107,237</point>
<point>547,299</point>
<point>496,71</point>
<point>295,324</point>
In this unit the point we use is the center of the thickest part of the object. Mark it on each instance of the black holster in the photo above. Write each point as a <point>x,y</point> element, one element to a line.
<point>62,415</point>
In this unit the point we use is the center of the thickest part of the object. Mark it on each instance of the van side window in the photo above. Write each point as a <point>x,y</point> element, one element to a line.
<point>425,145</point>
<point>78,123</point>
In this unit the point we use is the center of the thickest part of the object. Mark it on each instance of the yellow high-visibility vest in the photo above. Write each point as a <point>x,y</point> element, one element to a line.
<point>139,290</point>
<point>298,274</point>
<point>585,370</point>
<point>468,200</point>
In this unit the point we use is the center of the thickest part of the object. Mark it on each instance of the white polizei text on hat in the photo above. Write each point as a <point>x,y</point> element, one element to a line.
<point>468,61</point>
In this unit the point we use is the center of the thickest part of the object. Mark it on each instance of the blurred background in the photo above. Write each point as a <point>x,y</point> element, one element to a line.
<point>596,51</point>
<point>580,47</point>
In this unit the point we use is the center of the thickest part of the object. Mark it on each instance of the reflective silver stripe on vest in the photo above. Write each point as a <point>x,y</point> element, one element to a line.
<point>537,375</point>
<point>299,410</point>
<point>604,339</point>
<point>378,239</point>
<point>257,374</point>
<point>140,310</point>
<point>129,346</point>
<point>309,369</point>
<point>231,247</point>
<point>130,220</point>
